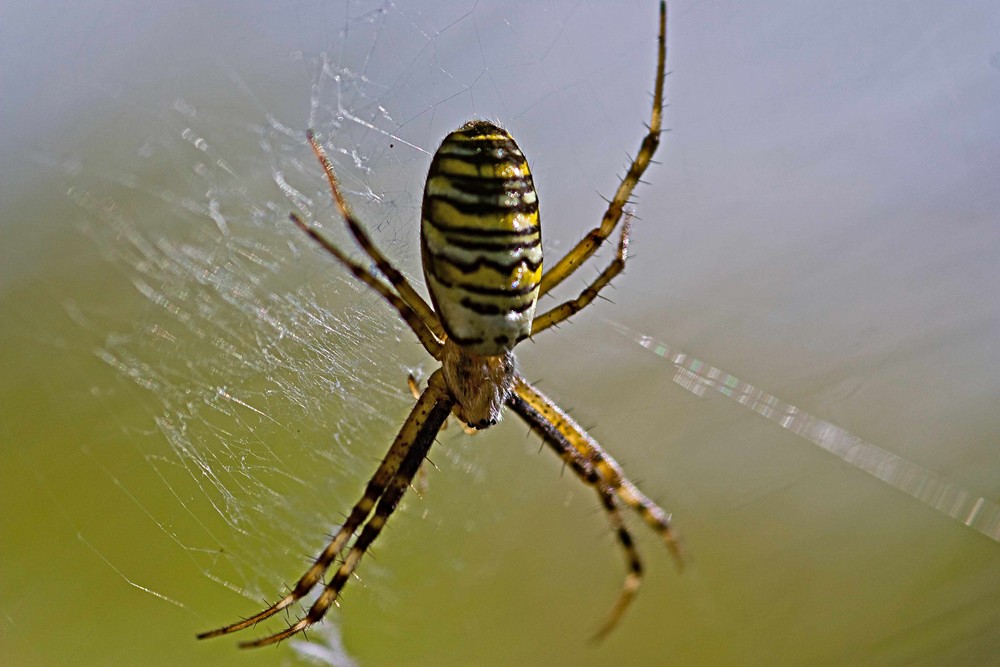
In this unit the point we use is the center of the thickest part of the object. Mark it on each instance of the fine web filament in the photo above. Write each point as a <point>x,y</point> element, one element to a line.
<point>698,377</point>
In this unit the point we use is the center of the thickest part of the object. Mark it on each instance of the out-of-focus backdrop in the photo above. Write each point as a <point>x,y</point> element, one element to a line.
<point>191,393</point>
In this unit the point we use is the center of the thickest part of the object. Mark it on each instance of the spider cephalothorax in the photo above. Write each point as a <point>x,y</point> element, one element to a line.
<point>480,384</point>
<point>482,257</point>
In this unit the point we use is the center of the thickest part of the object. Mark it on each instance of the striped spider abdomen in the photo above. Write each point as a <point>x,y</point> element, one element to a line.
<point>481,239</point>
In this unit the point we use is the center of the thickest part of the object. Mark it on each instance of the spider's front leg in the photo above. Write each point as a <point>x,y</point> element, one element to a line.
<point>595,467</point>
<point>382,494</point>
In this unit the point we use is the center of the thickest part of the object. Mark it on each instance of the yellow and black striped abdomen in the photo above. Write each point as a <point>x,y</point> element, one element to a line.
<point>481,238</point>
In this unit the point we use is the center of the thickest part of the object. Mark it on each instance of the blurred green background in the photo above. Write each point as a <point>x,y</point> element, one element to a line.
<point>191,394</point>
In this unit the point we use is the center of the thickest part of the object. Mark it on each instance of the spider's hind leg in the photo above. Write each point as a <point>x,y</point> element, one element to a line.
<point>420,325</point>
<point>589,244</point>
<point>409,295</point>
<point>564,311</point>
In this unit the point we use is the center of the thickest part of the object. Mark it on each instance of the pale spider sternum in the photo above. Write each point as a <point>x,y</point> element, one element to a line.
<point>480,384</point>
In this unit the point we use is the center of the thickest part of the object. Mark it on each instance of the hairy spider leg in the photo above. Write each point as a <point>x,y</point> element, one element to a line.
<point>566,310</point>
<point>560,425</point>
<point>407,451</point>
<point>420,430</point>
<point>633,578</point>
<point>585,470</point>
<point>395,278</point>
<point>418,324</point>
<point>593,240</point>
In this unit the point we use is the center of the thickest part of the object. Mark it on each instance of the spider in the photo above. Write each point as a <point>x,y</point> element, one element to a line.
<point>482,261</point>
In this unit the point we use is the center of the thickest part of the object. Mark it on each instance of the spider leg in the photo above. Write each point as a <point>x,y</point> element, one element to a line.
<point>395,278</point>
<point>593,240</point>
<point>418,432</point>
<point>422,481</point>
<point>418,324</point>
<point>414,386</point>
<point>569,308</point>
<point>561,432</point>
<point>407,450</point>
<point>634,576</point>
<point>586,471</point>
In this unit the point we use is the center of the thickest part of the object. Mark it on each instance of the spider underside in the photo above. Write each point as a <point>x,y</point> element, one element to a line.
<point>484,278</point>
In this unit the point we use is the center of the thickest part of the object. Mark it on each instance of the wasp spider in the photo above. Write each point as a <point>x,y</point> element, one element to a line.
<point>482,259</point>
